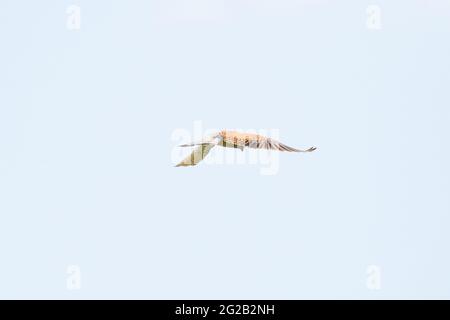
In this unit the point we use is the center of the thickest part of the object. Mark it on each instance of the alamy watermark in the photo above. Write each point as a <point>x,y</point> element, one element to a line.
<point>373,280</point>
<point>73,19</point>
<point>73,280</point>
<point>373,18</point>
<point>268,160</point>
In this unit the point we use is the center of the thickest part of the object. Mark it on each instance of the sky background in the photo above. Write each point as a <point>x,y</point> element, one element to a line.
<point>86,149</point>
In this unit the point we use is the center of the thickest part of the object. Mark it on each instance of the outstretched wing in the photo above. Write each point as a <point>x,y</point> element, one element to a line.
<point>261,142</point>
<point>197,155</point>
<point>256,141</point>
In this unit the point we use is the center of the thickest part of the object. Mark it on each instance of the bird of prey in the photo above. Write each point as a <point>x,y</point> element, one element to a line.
<point>233,139</point>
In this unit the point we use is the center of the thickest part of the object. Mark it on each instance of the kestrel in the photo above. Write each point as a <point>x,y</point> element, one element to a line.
<point>233,139</point>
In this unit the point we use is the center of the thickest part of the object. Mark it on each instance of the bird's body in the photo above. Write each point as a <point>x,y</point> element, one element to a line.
<point>234,139</point>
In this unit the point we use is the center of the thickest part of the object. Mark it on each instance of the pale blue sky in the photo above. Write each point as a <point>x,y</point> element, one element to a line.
<point>87,179</point>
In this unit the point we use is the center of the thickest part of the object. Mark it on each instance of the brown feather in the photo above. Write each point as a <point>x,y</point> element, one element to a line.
<point>234,139</point>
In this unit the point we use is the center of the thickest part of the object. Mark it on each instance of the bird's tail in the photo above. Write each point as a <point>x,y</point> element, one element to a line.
<point>203,142</point>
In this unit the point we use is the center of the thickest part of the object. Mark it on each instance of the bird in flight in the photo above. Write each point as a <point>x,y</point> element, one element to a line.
<point>233,139</point>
